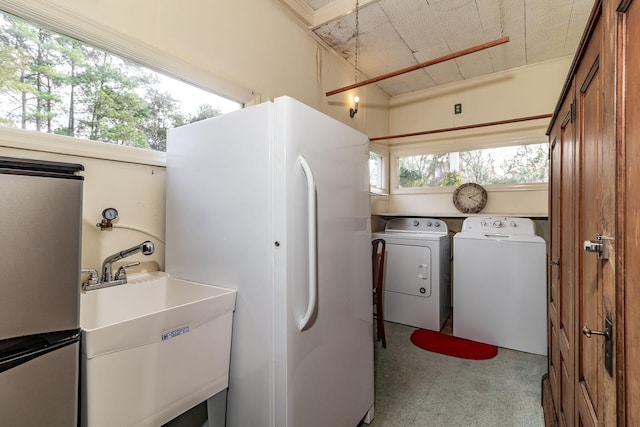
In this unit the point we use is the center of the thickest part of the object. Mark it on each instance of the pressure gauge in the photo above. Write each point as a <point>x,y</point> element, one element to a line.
<point>110,214</point>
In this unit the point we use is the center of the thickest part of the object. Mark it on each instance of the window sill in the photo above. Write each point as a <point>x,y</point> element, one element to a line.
<point>58,144</point>
<point>490,188</point>
<point>378,192</point>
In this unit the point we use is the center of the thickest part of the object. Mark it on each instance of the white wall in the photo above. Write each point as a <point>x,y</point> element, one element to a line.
<point>242,49</point>
<point>523,92</point>
<point>136,190</point>
<point>251,51</point>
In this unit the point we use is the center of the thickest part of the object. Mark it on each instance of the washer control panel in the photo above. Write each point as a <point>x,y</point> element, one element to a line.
<point>417,225</point>
<point>500,225</point>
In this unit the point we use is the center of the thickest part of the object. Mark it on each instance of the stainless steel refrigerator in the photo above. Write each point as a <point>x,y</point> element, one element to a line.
<point>40,232</point>
<point>273,201</point>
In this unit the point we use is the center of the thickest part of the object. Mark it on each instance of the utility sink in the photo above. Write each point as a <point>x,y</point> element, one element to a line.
<point>152,349</point>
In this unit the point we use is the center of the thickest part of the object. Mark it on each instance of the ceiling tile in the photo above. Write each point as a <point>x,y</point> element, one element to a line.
<point>442,73</point>
<point>413,23</point>
<point>475,64</point>
<point>500,19</point>
<point>579,16</point>
<point>395,34</point>
<point>405,83</point>
<point>547,24</point>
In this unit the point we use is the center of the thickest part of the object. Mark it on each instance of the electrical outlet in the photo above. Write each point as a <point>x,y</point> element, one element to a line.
<point>457,109</point>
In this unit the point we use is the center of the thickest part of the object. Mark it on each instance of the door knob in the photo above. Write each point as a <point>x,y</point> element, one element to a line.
<point>588,332</point>
<point>608,342</point>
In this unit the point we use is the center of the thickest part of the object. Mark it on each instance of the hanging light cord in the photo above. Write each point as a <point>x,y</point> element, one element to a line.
<point>355,65</point>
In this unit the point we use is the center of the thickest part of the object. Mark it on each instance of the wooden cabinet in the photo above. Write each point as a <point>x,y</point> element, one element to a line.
<point>594,219</point>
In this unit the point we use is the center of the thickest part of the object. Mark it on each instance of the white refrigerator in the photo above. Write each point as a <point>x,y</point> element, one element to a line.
<point>273,201</point>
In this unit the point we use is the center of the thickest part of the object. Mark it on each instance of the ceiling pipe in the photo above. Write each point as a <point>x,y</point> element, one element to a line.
<point>422,65</point>
<point>479,125</point>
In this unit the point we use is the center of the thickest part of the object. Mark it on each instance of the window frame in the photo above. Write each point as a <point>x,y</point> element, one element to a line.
<point>459,147</point>
<point>383,171</point>
<point>66,21</point>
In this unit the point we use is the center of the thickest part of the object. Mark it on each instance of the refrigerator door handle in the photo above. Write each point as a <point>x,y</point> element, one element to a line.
<point>312,224</point>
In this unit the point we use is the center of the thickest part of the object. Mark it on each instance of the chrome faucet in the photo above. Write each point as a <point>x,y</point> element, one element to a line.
<point>108,279</point>
<point>147,248</point>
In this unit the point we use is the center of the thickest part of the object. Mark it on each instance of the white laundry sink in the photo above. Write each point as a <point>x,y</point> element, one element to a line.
<point>152,349</point>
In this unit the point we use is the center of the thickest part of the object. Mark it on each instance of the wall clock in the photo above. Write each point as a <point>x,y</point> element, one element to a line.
<point>470,198</point>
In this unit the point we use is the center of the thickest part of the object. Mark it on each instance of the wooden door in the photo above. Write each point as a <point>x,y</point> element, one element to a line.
<point>568,276</point>
<point>629,297</point>
<point>589,295</point>
<point>562,264</point>
<point>553,276</point>
<point>594,305</point>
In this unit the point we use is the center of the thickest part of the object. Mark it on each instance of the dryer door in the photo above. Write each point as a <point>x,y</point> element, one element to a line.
<point>408,269</point>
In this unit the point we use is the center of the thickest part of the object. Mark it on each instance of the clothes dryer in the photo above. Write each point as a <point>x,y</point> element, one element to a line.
<point>499,284</point>
<point>417,272</point>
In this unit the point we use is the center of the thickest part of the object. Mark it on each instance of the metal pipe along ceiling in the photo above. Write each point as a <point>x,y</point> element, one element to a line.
<point>422,65</point>
<point>478,125</point>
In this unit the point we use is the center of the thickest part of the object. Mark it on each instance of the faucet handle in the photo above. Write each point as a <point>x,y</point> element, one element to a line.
<point>121,274</point>
<point>93,278</point>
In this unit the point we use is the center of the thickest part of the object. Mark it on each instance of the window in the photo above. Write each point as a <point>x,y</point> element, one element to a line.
<point>376,172</point>
<point>520,164</point>
<point>55,84</point>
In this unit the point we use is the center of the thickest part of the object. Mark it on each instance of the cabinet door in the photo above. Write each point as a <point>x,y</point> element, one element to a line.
<point>562,277</point>
<point>595,387</point>
<point>589,211</point>
<point>629,19</point>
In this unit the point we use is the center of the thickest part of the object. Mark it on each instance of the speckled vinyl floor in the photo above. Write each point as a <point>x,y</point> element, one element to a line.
<point>415,387</point>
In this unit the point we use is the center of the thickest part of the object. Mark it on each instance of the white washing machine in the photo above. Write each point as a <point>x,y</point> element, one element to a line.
<point>417,288</point>
<point>500,284</point>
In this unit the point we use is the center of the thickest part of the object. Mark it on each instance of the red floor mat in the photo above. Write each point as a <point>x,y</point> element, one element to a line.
<point>452,346</point>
